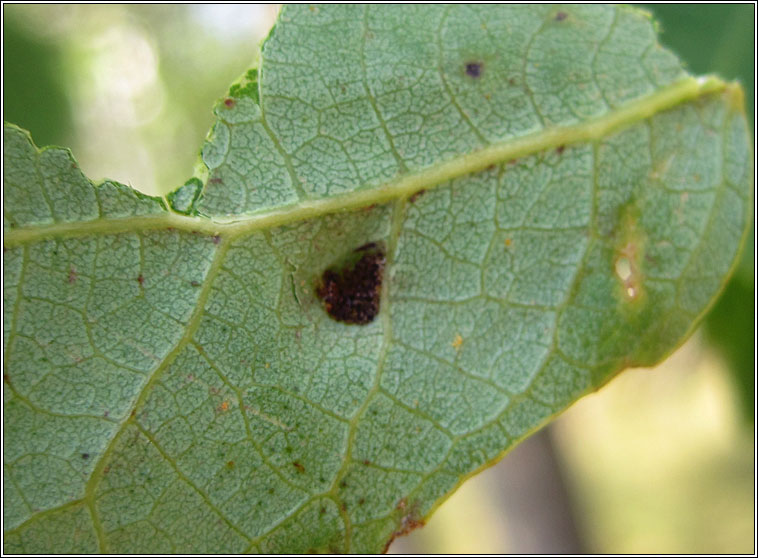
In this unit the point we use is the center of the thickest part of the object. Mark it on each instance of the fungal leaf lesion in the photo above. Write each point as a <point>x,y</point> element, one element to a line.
<point>351,292</point>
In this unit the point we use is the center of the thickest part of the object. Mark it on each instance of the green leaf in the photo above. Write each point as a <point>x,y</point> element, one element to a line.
<point>503,205</point>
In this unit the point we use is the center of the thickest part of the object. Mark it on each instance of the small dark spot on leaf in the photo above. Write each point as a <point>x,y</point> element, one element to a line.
<point>229,103</point>
<point>6,378</point>
<point>106,414</point>
<point>417,195</point>
<point>343,506</point>
<point>74,166</point>
<point>491,167</point>
<point>361,501</point>
<point>215,180</point>
<point>560,149</point>
<point>85,456</point>
<point>352,294</point>
<point>133,413</point>
<point>107,469</point>
<point>343,484</point>
<point>366,462</point>
<point>288,449</point>
<point>512,81</point>
<point>560,16</point>
<point>140,279</point>
<point>72,275</point>
<point>195,283</point>
<point>299,467</point>
<point>474,69</point>
<point>322,511</point>
<point>230,464</point>
<point>216,238</point>
<point>270,490</point>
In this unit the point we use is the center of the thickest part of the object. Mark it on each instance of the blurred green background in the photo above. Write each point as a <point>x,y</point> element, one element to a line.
<point>656,462</point>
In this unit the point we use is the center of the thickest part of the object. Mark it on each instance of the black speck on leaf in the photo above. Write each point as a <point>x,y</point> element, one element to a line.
<point>474,69</point>
<point>85,456</point>
<point>560,16</point>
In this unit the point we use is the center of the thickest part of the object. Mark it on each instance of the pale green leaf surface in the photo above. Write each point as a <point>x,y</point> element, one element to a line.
<point>174,384</point>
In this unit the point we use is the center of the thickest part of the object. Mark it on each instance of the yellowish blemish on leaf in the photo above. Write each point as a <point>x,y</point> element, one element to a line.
<point>627,264</point>
<point>508,242</point>
<point>457,342</point>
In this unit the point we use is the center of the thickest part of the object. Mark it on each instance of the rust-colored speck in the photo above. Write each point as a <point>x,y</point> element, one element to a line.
<point>407,524</point>
<point>366,462</point>
<point>299,467</point>
<point>140,280</point>
<point>560,149</point>
<point>72,275</point>
<point>225,406</point>
<point>230,464</point>
<point>417,195</point>
<point>229,103</point>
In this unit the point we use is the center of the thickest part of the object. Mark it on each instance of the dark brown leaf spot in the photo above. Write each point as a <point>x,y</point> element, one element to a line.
<point>417,195</point>
<point>216,238</point>
<point>72,275</point>
<point>560,149</point>
<point>352,294</point>
<point>560,16</point>
<point>299,467</point>
<point>474,69</point>
<point>229,103</point>
<point>85,456</point>
<point>215,180</point>
<point>195,283</point>
<point>140,280</point>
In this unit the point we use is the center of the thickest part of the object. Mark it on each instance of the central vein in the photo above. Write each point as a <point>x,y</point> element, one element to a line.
<point>593,129</point>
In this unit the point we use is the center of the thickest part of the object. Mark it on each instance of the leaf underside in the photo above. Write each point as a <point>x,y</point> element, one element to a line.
<point>554,199</point>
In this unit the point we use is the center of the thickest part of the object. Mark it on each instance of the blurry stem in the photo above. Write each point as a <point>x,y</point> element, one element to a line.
<point>532,492</point>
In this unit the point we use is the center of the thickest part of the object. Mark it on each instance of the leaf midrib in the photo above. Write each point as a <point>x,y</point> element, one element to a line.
<point>687,89</point>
